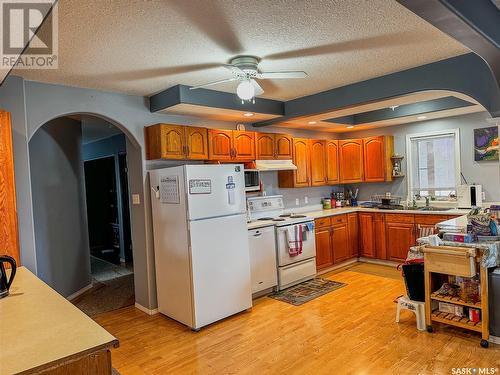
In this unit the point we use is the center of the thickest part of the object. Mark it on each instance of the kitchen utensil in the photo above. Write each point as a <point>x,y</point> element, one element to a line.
<point>4,282</point>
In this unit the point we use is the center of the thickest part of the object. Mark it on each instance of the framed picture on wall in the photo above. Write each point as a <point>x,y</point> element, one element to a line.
<point>486,144</point>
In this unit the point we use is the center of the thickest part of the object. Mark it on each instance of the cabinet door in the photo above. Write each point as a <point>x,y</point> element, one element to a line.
<point>173,142</point>
<point>265,146</point>
<point>8,215</point>
<point>332,162</point>
<point>283,146</point>
<point>400,236</point>
<point>367,234</point>
<point>353,229</point>
<point>244,145</point>
<point>351,160</point>
<point>340,243</point>
<point>380,240</point>
<point>318,167</point>
<point>324,256</point>
<point>196,143</point>
<point>301,160</point>
<point>220,144</point>
<point>374,159</point>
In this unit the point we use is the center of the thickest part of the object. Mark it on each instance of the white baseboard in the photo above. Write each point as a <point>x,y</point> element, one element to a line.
<point>378,261</point>
<point>344,264</point>
<point>494,340</point>
<point>81,291</point>
<point>146,310</point>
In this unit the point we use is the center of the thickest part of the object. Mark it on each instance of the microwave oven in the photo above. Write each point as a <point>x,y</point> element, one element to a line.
<point>252,180</point>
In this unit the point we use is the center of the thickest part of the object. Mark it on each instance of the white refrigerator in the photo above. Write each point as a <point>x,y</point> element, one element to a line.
<point>200,241</point>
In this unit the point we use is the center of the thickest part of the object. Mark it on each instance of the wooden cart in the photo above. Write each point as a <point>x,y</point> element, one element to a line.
<point>456,261</point>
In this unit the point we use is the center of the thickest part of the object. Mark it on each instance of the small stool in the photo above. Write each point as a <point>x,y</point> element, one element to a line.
<point>417,307</point>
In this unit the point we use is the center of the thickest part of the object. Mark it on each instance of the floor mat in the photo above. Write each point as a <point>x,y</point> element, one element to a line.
<point>307,291</point>
<point>107,296</point>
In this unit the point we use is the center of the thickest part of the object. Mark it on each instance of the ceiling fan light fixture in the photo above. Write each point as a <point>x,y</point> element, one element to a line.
<point>245,90</point>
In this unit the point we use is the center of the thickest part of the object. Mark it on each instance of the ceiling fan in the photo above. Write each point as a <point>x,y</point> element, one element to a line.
<point>245,70</point>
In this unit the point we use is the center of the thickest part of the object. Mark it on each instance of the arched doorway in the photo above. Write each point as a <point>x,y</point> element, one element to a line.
<point>81,211</point>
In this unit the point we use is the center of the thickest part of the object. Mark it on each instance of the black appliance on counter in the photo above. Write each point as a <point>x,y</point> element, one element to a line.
<point>494,302</point>
<point>5,282</point>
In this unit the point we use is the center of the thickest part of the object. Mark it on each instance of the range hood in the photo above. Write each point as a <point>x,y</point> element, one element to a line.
<point>274,165</point>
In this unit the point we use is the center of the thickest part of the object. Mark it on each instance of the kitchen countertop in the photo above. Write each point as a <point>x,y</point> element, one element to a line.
<point>316,214</point>
<point>40,328</point>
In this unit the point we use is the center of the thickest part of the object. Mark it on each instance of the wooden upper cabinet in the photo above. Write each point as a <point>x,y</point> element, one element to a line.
<point>351,160</point>
<point>244,145</point>
<point>165,141</point>
<point>8,215</point>
<point>377,152</point>
<point>265,146</point>
<point>197,143</point>
<point>318,162</point>
<point>332,162</point>
<point>283,146</point>
<point>301,160</point>
<point>220,144</point>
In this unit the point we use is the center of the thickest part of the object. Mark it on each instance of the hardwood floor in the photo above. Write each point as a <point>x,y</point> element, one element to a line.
<point>348,331</point>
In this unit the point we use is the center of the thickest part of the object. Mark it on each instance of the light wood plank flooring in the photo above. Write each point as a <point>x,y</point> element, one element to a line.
<point>348,331</point>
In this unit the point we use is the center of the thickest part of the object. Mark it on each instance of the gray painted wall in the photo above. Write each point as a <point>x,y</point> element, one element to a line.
<point>484,173</point>
<point>57,182</point>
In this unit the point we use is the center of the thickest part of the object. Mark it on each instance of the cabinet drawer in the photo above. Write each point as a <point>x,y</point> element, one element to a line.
<point>448,260</point>
<point>339,219</point>
<point>430,219</point>
<point>399,218</point>
<point>323,222</point>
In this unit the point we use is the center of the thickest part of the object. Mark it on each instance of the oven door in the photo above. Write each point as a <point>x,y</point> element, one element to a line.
<point>308,245</point>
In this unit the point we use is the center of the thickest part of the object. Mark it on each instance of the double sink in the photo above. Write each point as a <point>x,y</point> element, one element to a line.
<point>429,208</point>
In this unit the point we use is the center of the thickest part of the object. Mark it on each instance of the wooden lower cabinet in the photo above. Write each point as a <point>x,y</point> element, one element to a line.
<point>353,229</point>
<point>324,256</point>
<point>400,237</point>
<point>367,234</point>
<point>340,243</point>
<point>380,237</point>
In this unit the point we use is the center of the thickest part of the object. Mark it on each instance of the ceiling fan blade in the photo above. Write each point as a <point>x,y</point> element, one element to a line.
<point>258,90</point>
<point>214,83</point>
<point>282,75</point>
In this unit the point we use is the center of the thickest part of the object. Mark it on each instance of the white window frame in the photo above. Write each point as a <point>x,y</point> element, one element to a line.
<point>458,166</point>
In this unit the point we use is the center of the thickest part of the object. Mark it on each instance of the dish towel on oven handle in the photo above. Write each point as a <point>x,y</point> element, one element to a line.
<point>294,239</point>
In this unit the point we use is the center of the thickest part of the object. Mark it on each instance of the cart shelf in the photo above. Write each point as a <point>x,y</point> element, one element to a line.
<point>457,321</point>
<point>455,300</point>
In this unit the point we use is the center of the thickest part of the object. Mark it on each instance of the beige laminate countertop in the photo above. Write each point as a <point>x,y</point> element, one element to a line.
<point>316,214</point>
<point>38,327</point>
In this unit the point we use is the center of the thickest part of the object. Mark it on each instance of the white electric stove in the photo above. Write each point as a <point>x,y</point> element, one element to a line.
<point>291,269</point>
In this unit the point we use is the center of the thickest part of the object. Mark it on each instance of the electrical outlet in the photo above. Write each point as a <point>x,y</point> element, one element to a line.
<point>297,201</point>
<point>136,199</point>
<point>306,200</point>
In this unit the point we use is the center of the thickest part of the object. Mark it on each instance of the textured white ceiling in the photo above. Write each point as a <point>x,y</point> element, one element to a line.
<point>144,46</point>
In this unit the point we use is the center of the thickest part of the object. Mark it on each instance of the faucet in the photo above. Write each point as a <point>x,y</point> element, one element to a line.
<point>427,200</point>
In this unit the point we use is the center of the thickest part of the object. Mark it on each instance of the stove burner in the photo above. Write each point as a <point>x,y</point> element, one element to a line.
<point>265,218</point>
<point>279,219</point>
<point>285,215</point>
<point>297,216</point>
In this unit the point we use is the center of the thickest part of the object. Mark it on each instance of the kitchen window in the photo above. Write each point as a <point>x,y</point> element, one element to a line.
<point>433,164</point>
